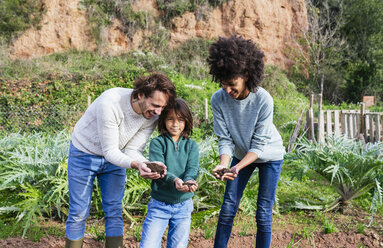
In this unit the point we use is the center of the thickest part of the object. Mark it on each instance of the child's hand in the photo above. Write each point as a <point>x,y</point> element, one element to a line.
<point>192,184</point>
<point>179,183</point>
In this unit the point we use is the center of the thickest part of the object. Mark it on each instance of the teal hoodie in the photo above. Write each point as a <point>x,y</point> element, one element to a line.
<point>182,161</point>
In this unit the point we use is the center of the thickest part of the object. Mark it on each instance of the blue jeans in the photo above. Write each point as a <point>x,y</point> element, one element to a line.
<point>269,173</point>
<point>82,170</point>
<point>160,215</point>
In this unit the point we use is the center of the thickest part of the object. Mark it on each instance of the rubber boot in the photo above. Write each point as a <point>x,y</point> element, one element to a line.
<point>73,243</point>
<point>113,242</point>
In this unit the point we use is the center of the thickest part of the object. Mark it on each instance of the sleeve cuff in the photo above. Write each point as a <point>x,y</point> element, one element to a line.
<point>256,151</point>
<point>226,150</point>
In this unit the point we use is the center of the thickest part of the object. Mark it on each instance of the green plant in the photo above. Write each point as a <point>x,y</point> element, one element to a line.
<point>137,232</point>
<point>308,234</point>
<point>328,227</point>
<point>208,230</point>
<point>18,15</point>
<point>360,228</point>
<point>32,174</point>
<point>98,235</point>
<point>292,242</point>
<point>247,227</point>
<point>349,166</point>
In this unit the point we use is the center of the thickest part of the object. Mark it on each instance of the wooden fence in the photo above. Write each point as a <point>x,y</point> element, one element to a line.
<point>350,123</point>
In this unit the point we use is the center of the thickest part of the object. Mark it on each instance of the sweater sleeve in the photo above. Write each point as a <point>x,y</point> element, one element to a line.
<point>192,166</point>
<point>262,131</point>
<point>225,141</point>
<point>107,127</point>
<point>137,143</point>
<point>157,153</point>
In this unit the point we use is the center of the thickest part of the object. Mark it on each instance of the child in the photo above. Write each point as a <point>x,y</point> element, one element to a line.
<point>171,201</point>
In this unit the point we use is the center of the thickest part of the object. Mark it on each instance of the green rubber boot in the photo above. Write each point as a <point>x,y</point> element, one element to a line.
<point>73,243</point>
<point>113,242</point>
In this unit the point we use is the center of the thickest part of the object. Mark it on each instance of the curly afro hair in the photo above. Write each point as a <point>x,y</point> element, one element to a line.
<point>234,56</point>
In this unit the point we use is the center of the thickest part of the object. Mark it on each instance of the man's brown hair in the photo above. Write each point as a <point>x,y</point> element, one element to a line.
<point>182,110</point>
<point>156,81</point>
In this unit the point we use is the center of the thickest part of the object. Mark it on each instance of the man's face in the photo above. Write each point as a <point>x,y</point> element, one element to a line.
<point>236,88</point>
<point>153,105</point>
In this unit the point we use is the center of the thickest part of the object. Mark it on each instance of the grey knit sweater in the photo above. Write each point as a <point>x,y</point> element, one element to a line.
<point>112,129</point>
<point>246,125</point>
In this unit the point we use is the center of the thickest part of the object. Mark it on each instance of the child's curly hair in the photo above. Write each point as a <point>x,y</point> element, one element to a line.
<point>234,56</point>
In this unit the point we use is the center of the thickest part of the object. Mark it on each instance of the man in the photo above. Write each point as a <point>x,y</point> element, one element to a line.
<point>109,138</point>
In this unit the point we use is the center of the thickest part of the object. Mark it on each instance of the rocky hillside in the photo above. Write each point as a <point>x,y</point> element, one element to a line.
<point>65,25</point>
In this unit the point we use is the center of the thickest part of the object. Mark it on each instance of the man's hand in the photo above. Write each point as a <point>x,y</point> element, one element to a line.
<point>179,183</point>
<point>145,172</point>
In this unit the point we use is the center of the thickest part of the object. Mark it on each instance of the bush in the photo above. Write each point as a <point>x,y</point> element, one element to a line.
<point>18,15</point>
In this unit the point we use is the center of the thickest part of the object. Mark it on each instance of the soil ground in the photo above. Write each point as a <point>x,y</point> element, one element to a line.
<point>289,230</point>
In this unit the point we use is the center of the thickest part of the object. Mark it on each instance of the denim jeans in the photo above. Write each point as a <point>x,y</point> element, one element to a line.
<point>160,215</point>
<point>268,180</point>
<point>82,170</point>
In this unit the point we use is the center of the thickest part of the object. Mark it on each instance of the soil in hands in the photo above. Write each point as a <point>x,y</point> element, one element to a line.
<point>221,172</point>
<point>154,167</point>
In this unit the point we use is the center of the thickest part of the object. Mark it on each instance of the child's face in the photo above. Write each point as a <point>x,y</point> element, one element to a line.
<point>174,125</point>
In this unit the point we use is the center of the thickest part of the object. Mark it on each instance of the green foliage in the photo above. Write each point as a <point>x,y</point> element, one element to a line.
<point>349,166</point>
<point>173,8</point>
<point>208,230</point>
<point>328,226</point>
<point>18,15</point>
<point>364,31</point>
<point>360,228</point>
<point>288,102</point>
<point>102,13</point>
<point>29,174</point>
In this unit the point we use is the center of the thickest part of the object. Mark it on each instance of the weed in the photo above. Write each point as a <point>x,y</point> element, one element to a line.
<point>98,235</point>
<point>360,228</point>
<point>208,230</point>
<point>308,234</point>
<point>359,245</point>
<point>137,232</point>
<point>247,227</point>
<point>292,242</point>
<point>329,227</point>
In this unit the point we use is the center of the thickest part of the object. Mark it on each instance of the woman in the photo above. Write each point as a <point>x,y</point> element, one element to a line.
<point>243,122</point>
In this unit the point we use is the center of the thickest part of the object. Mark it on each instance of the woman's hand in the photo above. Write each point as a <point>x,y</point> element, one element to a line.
<point>179,183</point>
<point>223,173</point>
<point>232,174</point>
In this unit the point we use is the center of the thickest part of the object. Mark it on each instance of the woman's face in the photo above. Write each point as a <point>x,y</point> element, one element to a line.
<point>236,88</point>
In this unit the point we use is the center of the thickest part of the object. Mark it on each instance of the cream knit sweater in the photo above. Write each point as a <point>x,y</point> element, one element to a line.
<point>110,128</point>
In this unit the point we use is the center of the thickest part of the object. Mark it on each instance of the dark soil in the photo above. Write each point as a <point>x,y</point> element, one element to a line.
<point>154,167</point>
<point>222,172</point>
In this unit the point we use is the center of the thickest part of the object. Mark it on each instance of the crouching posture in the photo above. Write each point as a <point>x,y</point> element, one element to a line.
<point>109,138</point>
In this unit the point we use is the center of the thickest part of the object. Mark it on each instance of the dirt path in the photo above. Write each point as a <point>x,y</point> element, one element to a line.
<point>280,239</point>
